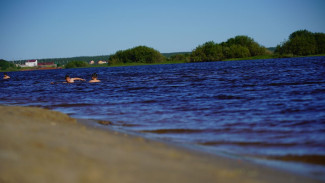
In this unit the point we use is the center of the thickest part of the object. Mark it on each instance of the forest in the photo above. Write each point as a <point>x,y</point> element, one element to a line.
<point>299,43</point>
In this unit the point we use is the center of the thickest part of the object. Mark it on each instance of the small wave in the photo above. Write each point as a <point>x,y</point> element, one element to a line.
<point>312,159</point>
<point>297,123</point>
<point>149,101</point>
<point>227,97</point>
<point>125,124</point>
<point>137,88</point>
<point>318,91</point>
<point>102,122</point>
<point>298,83</point>
<point>71,105</point>
<point>172,131</point>
<point>249,85</point>
<point>130,125</point>
<point>301,110</point>
<point>286,111</point>
<point>119,123</point>
<point>256,144</point>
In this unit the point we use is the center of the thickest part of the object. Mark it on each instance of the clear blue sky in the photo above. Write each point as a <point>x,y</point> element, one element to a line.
<point>34,29</point>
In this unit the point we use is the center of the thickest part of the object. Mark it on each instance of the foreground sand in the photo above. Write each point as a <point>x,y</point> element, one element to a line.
<point>38,145</point>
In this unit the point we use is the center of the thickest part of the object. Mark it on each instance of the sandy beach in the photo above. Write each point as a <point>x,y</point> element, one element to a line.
<point>39,145</point>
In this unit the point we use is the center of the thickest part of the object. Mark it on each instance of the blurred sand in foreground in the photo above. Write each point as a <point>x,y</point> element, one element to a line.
<point>39,145</point>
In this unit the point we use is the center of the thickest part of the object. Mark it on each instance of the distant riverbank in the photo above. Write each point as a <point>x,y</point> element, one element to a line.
<point>44,68</point>
<point>241,47</point>
<point>261,57</point>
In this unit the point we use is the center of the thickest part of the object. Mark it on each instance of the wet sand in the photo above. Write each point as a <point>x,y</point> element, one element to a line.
<point>39,145</point>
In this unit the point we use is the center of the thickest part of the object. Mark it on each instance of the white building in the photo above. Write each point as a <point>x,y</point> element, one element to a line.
<point>31,63</point>
<point>102,62</point>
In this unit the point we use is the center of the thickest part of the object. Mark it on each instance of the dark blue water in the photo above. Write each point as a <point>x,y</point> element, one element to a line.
<point>265,108</point>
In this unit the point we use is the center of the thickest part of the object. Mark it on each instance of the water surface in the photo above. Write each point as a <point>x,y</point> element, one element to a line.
<point>272,109</point>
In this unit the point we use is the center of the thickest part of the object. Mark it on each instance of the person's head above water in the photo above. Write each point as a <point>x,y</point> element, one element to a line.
<point>67,78</point>
<point>94,78</point>
<point>5,76</point>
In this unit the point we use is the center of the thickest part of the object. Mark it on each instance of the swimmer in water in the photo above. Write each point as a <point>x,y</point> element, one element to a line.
<point>71,80</point>
<point>94,78</point>
<point>5,76</point>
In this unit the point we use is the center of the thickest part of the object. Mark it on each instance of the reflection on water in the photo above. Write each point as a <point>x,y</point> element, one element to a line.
<point>273,108</point>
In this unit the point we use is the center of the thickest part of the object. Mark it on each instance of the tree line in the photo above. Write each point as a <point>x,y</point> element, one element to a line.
<point>300,43</point>
<point>237,47</point>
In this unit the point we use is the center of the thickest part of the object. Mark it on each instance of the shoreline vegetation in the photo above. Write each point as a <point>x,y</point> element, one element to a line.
<point>300,43</point>
<point>40,145</point>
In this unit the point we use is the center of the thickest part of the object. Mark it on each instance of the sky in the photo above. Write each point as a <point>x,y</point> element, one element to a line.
<point>35,29</point>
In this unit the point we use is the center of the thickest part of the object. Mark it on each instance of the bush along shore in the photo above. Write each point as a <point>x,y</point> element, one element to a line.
<point>299,43</point>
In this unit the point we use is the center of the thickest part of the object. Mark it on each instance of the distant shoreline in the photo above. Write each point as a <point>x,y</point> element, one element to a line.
<point>264,57</point>
<point>44,68</point>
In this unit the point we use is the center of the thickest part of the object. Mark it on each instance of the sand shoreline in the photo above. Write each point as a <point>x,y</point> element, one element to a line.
<point>39,145</point>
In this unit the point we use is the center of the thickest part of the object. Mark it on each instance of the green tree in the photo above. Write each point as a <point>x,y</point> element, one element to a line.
<point>180,57</point>
<point>75,64</point>
<point>209,51</point>
<point>302,43</point>
<point>5,65</point>
<point>237,47</point>
<point>227,52</point>
<point>244,41</point>
<point>198,54</point>
<point>140,54</point>
<point>320,42</point>
<point>239,51</point>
